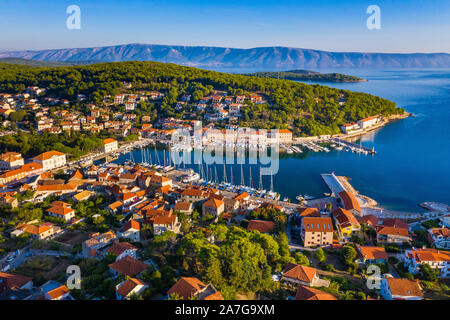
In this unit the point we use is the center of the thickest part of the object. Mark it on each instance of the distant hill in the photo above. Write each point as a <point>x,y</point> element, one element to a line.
<point>36,63</point>
<point>274,58</point>
<point>307,75</point>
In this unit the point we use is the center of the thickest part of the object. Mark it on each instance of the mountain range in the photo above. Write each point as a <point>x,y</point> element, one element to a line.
<point>221,57</point>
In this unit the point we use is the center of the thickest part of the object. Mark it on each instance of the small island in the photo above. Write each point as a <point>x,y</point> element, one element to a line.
<point>307,75</point>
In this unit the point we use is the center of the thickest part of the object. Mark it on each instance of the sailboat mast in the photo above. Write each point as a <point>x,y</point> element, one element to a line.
<point>224,174</point>
<point>271,182</point>
<point>260,180</point>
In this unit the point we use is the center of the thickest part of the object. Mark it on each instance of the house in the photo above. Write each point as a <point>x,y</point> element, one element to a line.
<point>395,223</point>
<point>127,178</point>
<point>6,199</point>
<point>33,169</point>
<point>392,235</point>
<point>122,249</point>
<point>369,122</point>
<point>160,181</point>
<point>400,289</point>
<point>308,212</point>
<point>165,223</point>
<point>350,127</point>
<point>284,135</point>
<point>129,287</point>
<point>61,210</point>
<point>11,160</point>
<point>127,266</point>
<point>261,226</point>
<point>231,205</point>
<point>96,242</point>
<point>130,230</point>
<point>82,196</point>
<point>307,293</point>
<point>48,189</point>
<point>349,202</point>
<point>437,259</point>
<point>11,281</point>
<point>110,145</point>
<point>51,160</point>
<point>130,105</point>
<point>184,207</point>
<point>59,293</point>
<point>316,231</point>
<point>369,220</point>
<point>214,207</point>
<point>115,207</point>
<point>300,275</point>
<point>370,255</point>
<point>78,175</point>
<point>36,231</point>
<point>346,223</point>
<point>13,175</point>
<point>193,195</point>
<point>440,237</point>
<point>188,287</point>
<point>243,199</point>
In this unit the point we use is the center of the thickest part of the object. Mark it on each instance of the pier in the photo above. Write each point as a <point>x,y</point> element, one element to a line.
<point>353,146</point>
<point>333,183</point>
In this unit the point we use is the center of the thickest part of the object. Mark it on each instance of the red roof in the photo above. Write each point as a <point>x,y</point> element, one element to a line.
<point>213,203</point>
<point>309,212</point>
<point>12,281</point>
<point>370,219</point>
<point>126,287</point>
<point>131,224</point>
<point>261,226</point>
<point>299,272</point>
<point>118,248</point>
<point>350,202</point>
<point>306,293</point>
<point>128,266</point>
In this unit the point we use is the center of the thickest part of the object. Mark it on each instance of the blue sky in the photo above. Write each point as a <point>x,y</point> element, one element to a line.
<point>333,25</point>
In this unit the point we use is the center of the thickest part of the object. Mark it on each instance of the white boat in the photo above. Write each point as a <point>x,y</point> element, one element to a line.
<point>191,178</point>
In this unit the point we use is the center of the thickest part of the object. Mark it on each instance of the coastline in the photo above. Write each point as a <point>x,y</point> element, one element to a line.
<point>343,136</point>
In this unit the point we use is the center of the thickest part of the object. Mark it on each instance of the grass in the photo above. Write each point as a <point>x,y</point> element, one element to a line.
<point>436,290</point>
<point>43,268</point>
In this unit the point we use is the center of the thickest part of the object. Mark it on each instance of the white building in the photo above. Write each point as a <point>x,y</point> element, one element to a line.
<point>436,259</point>
<point>51,160</point>
<point>440,237</point>
<point>110,145</point>
<point>350,127</point>
<point>369,122</point>
<point>400,289</point>
<point>11,160</point>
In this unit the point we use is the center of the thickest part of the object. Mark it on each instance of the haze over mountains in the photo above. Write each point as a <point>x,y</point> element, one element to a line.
<point>218,57</point>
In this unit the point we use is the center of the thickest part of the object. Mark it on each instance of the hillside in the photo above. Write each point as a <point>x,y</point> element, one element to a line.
<point>306,109</point>
<point>219,57</point>
<point>307,75</point>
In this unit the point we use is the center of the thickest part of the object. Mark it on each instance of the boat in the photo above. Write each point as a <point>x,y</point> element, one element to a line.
<point>191,178</point>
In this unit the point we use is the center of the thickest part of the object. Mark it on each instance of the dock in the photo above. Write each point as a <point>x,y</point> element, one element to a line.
<point>333,183</point>
<point>353,146</point>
